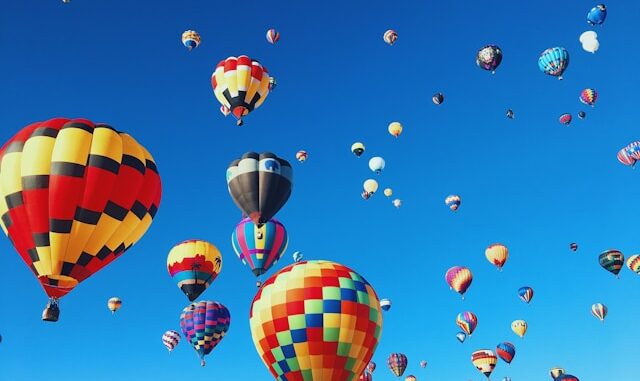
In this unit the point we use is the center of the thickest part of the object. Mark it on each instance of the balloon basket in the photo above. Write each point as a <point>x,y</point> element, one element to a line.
<point>51,312</point>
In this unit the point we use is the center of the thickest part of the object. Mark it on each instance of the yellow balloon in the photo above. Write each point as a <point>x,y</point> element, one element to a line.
<point>370,186</point>
<point>388,192</point>
<point>519,327</point>
<point>395,129</point>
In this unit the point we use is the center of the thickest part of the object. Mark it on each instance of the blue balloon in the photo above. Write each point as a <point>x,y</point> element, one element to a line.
<point>554,61</point>
<point>597,15</point>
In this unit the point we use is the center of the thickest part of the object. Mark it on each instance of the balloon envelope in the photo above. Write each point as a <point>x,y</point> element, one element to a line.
<point>194,265</point>
<point>259,247</point>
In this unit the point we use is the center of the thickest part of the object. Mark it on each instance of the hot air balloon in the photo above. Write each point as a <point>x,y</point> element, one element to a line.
<point>259,247</point>
<point>582,114</point>
<point>366,195</point>
<point>599,310</point>
<point>588,97</point>
<point>260,184</point>
<point>612,260</point>
<point>633,263</point>
<point>565,119</point>
<point>485,361</point>
<point>301,156</point>
<point>597,15</point>
<point>190,39</point>
<point>453,202</point>
<point>388,192</point>
<point>397,363</point>
<point>519,327</point>
<point>459,279</point>
<point>224,110</point>
<point>497,254</point>
<point>114,304</point>
<point>437,98</point>
<point>467,321</point>
<point>461,336</point>
<point>365,376</point>
<point>573,246</point>
<point>489,58</point>
<point>272,83</point>
<point>194,265</point>
<point>624,158</point>
<point>556,372</point>
<point>75,196</point>
<point>397,202</point>
<point>510,114</point>
<point>567,377</point>
<point>526,294</point>
<point>170,339</point>
<point>633,150</point>
<point>297,256</point>
<point>506,351</point>
<point>376,164</point>
<point>390,36</point>
<point>423,364</point>
<point>410,378</point>
<point>326,307</point>
<point>357,148</point>
<point>273,36</point>
<point>554,61</point>
<point>241,84</point>
<point>395,129</point>
<point>385,304</point>
<point>370,186</point>
<point>204,324</point>
<point>371,367</point>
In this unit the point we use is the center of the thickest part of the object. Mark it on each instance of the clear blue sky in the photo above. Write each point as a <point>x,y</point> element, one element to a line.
<point>529,183</point>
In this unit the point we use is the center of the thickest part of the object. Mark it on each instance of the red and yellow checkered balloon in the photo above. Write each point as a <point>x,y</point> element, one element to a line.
<point>316,320</point>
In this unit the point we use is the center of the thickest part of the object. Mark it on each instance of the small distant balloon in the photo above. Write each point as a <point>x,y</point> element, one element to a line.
<point>467,321</point>
<point>510,114</point>
<point>190,39</point>
<point>588,96</point>
<point>573,246</point>
<point>497,254</point>
<point>611,260</point>
<point>357,148</point>
<point>459,278</point>
<point>589,41</point>
<point>489,58</point>
<point>599,310</point>
<point>272,83</point>
<point>453,202</point>
<point>114,304</point>
<point>376,164</point>
<point>397,202</point>
<point>273,36</point>
<point>390,36</point>
<point>519,327</point>
<point>170,339</point>
<point>301,156</point>
<point>385,304</point>
<point>556,372</point>
<point>554,61</point>
<point>395,129</point>
<point>526,294</point>
<point>297,256</point>
<point>437,98</point>
<point>423,364</point>
<point>633,263</point>
<point>597,15</point>
<point>565,119</point>
<point>370,186</point>
<point>388,192</point>
<point>582,114</point>
<point>461,336</point>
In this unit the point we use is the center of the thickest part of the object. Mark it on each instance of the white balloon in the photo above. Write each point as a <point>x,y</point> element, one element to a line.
<point>588,35</point>
<point>397,203</point>
<point>376,164</point>
<point>591,46</point>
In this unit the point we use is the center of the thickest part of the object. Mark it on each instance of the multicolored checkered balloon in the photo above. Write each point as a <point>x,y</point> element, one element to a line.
<point>316,320</point>
<point>204,325</point>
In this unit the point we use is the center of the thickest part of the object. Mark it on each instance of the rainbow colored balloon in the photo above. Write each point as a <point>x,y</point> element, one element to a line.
<point>467,321</point>
<point>170,339</point>
<point>589,96</point>
<point>316,320</point>
<point>459,279</point>
<point>611,260</point>
<point>365,376</point>
<point>633,263</point>
<point>204,324</point>
<point>599,310</point>
<point>397,362</point>
<point>259,247</point>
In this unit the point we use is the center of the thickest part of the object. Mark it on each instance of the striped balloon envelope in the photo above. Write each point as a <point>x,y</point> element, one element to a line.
<point>191,39</point>
<point>397,363</point>
<point>194,265</point>
<point>485,361</point>
<point>554,61</point>
<point>204,324</point>
<point>467,321</point>
<point>170,339</point>
<point>526,294</point>
<point>589,97</point>
<point>600,311</point>
<point>612,260</point>
<point>506,351</point>
<point>316,320</point>
<point>365,376</point>
<point>567,377</point>
<point>497,254</point>
<point>273,36</point>
<point>459,279</point>
<point>259,247</point>
<point>75,196</point>
<point>633,263</point>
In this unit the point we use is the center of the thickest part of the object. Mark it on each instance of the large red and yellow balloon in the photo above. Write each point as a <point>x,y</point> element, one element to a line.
<point>316,320</point>
<point>76,195</point>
